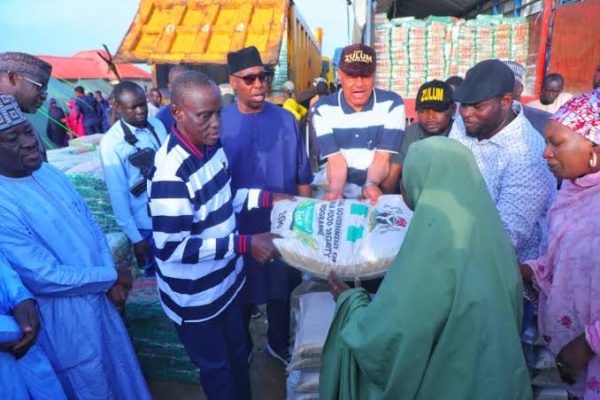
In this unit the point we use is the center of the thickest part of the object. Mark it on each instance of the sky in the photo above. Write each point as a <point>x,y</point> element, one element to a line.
<point>64,27</point>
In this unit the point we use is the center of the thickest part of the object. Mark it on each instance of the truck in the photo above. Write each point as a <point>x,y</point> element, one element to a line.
<point>562,34</point>
<point>199,34</point>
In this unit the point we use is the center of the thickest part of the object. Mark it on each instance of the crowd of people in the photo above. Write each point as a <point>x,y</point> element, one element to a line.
<point>502,235</point>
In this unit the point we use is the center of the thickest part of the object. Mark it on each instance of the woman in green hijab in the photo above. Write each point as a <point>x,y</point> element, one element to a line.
<point>445,322</point>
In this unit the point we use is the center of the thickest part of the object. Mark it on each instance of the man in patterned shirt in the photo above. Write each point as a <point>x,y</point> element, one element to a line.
<point>508,151</point>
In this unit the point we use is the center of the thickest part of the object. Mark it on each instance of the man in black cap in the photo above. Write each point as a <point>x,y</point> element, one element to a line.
<point>265,150</point>
<point>435,115</point>
<point>508,151</point>
<point>358,128</point>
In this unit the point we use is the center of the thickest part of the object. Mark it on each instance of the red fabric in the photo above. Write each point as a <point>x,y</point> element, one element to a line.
<point>88,65</point>
<point>73,123</point>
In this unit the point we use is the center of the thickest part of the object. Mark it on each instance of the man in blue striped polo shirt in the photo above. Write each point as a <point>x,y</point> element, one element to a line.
<point>199,252</point>
<point>358,128</point>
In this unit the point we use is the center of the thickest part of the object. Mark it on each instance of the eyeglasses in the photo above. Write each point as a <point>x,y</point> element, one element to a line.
<point>250,79</point>
<point>41,88</point>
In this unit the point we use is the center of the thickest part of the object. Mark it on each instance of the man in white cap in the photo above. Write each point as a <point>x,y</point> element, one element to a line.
<point>537,118</point>
<point>290,103</point>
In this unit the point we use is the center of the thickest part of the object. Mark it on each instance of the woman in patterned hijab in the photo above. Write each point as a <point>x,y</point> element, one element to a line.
<point>567,277</point>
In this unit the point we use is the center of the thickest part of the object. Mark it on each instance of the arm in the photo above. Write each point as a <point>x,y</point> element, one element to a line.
<point>41,271</point>
<point>337,173</point>
<point>118,189</point>
<point>389,184</point>
<point>523,200</point>
<point>337,168</point>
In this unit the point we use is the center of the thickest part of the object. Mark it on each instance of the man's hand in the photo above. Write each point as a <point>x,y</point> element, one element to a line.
<point>124,277</point>
<point>573,358</point>
<point>118,295</point>
<point>141,250</point>
<point>262,247</point>
<point>282,196</point>
<point>26,315</point>
<point>372,193</point>
<point>331,196</point>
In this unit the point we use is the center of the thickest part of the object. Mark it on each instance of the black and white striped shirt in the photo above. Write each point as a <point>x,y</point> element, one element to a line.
<point>200,270</point>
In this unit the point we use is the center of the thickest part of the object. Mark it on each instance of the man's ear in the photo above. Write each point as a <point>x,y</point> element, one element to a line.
<point>176,111</point>
<point>507,101</point>
<point>13,78</point>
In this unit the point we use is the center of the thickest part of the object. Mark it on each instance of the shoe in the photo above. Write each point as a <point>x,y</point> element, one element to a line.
<point>255,313</point>
<point>284,358</point>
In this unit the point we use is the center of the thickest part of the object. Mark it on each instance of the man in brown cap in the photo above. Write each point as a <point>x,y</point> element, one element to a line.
<point>25,78</point>
<point>358,128</point>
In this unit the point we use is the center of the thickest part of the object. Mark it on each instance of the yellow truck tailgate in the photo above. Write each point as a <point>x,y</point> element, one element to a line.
<point>203,31</point>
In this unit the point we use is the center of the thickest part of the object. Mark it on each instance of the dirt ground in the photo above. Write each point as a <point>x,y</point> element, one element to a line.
<point>266,374</point>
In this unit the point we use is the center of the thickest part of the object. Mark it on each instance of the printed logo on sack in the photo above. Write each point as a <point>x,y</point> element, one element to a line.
<point>303,217</point>
<point>388,219</point>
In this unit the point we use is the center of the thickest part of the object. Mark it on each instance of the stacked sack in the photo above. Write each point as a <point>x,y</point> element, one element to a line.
<point>313,315</point>
<point>399,57</point>
<point>381,45</point>
<point>546,381</point>
<point>280,74</point>
<point>438,47</point>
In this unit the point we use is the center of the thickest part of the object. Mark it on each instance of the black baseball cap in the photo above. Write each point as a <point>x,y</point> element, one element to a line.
<point>487,79</point>
<point>435,94</point>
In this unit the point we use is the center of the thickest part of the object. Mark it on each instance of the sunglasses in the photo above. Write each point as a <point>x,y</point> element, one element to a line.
<point>41,88</point>
<point>250,79</point>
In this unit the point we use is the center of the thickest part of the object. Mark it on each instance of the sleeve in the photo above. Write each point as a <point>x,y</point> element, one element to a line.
<point>9,329</point>
<point>526,188</point>
<point>406,141</point>
<point>324,131</point>
<point>304,174</point>
<point>391,135</point>
<point>249,199</point>
<point>12,291</point>
<point>177,235</point>
<point>41,271</point>
<point>118,189</point>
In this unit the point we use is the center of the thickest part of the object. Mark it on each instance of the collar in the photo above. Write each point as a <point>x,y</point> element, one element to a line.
<point>189,146</point>
<point>134,128</point>
<point>349,110</point>
<point>513,131</point>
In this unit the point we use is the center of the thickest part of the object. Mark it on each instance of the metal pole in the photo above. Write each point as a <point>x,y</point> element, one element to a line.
<point>367,36</point>
<point>541,59</point>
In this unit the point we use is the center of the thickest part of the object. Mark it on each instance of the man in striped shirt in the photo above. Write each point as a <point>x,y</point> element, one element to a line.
<point>358,128</point>
<point>200,268</point>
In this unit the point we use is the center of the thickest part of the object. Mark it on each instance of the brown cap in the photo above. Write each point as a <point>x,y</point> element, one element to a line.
<point>358,60</point>
<point>23,63</point>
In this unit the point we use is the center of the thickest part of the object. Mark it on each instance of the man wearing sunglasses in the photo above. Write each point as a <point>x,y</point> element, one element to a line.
<point>25,78</point>
<point>358,128</point>
<point>266,151</point>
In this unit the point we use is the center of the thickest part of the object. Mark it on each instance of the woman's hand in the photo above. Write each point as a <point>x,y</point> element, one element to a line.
<point>338,286</point>
<point>526,273</point>
<point>573,358</point>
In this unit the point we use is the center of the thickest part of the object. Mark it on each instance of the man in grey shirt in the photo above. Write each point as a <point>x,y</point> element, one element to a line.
<point>435,115</point>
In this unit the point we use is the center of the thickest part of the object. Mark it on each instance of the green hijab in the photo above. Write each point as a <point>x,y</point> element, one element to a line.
<point>445,322</point>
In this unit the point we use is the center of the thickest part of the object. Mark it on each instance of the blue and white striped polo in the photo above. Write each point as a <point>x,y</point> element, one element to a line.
<point>379,126</point>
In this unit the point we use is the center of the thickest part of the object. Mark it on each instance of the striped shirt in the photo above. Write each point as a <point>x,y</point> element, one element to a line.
<point>200,268</point>
<point>379,126</point>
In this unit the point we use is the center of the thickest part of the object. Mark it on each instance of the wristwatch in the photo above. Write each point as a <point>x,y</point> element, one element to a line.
<point>368,183</point>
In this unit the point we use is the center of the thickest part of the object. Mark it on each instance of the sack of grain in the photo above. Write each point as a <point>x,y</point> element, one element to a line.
<point>350,237</point>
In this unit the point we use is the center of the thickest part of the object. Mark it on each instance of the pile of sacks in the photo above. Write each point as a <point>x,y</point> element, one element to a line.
<point>411,51</point>
<point>313,314</point>
<point>546,381</point>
